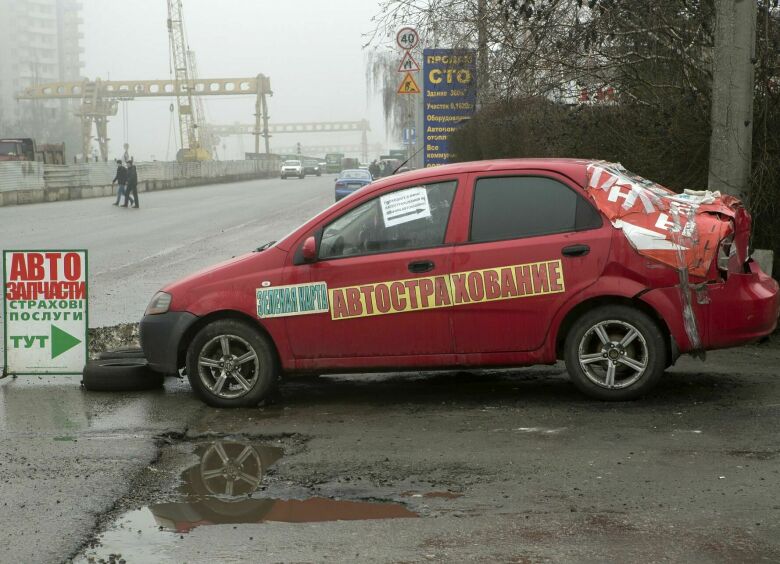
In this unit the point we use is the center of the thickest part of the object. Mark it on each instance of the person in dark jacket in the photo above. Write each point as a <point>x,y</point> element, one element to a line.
<point>121,181</point>
<point>132,184</point>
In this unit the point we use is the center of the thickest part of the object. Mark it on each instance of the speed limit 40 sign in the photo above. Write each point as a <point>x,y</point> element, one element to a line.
<point>407,38</point>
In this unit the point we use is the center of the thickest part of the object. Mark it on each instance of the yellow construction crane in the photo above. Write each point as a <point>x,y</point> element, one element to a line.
<point>99,98</point>
<point>207,141</point>
<point>191,147</point>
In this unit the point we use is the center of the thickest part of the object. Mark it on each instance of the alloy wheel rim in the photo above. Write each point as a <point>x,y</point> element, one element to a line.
<point>228,366</point>
<point>613,354</point>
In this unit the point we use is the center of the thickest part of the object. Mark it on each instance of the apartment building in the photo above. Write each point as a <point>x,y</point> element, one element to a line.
<point>40,41</point>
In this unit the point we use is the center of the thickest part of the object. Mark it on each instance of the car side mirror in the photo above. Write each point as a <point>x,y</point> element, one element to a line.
<point>310,249</point>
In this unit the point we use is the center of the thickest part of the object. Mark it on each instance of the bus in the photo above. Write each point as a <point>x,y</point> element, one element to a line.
<point>333,162</point>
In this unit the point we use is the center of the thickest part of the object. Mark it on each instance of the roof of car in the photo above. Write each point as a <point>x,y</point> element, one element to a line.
<point>576,169</point>
<point>363,170</point>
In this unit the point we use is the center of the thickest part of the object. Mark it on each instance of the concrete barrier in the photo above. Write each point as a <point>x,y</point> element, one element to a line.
<point>31,183</point>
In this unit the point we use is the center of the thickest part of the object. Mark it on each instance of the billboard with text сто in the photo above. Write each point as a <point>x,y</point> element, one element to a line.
<point>449,98</point>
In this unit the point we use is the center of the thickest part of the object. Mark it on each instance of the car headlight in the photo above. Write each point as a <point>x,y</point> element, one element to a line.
<point>159,304</point>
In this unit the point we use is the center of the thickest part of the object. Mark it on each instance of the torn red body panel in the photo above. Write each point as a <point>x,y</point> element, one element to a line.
<point>679,230</point>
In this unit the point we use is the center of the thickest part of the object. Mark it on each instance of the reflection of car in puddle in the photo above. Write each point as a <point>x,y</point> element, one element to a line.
<point>218,490</point>
<point>228,468</point>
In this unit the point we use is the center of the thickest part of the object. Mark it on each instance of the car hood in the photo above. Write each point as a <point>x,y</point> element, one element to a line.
<point>249,264</point>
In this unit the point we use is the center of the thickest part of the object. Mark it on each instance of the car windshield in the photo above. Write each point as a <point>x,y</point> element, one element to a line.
<point>361,174</point>
<point>292,163</point>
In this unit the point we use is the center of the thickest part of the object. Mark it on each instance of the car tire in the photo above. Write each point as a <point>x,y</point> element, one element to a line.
<point>122,352</point>
<point>217,350</point>
<point>283,177</point>
<point>615,353</point>
<point>120,375</point>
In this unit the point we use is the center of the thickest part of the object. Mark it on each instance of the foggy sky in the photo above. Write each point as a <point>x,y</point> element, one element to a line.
<point>311,50</point>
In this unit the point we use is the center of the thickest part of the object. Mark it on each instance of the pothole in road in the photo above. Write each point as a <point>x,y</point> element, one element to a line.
<point>221,489</point>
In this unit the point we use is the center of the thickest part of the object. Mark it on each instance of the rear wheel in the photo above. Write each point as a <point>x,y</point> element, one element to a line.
<point>231,364</point>
<point>615,353</point>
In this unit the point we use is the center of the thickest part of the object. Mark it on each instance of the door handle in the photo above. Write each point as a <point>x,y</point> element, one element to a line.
<point>419,266</point>
<point>575,250</point>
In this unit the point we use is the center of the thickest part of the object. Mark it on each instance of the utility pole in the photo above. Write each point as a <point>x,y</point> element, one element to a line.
<point>732,97</point>
<point>482,52</point>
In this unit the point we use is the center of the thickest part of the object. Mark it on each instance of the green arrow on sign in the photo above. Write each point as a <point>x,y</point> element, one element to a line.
<point>61,341</point>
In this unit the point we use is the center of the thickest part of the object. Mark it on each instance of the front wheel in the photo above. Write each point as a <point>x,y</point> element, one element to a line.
<point>231,364</point>
<point>615,353</point>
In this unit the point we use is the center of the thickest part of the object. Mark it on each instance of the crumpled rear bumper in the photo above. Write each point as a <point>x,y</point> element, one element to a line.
<point>742,309</point>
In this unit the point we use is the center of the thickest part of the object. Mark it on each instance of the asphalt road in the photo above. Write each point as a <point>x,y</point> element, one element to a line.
<point>132,253</point>
<point>510,466</point>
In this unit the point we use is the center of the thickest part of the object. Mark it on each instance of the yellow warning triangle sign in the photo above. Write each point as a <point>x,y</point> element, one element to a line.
<point>408,85</point>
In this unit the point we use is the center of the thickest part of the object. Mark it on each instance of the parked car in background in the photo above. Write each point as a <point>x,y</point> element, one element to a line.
<point>492,263</point>
<point>292,168</point>
<point>350,180</point>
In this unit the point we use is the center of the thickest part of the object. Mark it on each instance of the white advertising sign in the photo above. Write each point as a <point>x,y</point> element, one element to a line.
<point>404,206</point>
<point>45,311</point>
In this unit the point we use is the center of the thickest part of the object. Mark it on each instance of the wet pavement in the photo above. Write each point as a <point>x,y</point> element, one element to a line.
<point>509,465</point>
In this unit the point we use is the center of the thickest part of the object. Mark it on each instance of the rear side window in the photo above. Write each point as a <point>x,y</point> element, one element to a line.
<point>513,207</point>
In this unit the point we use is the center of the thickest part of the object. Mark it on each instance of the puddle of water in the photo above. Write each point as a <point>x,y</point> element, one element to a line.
<point>217,491</point>
<point>228,468</point>
<point>183,517</point>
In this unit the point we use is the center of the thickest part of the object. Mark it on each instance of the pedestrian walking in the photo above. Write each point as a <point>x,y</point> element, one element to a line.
<point>373,168</point>
<point>121,181</point>
<point>132,184</point>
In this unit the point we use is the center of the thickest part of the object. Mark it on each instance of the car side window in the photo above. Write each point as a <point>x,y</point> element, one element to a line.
<point>410,218</point>
<point>513,207</point>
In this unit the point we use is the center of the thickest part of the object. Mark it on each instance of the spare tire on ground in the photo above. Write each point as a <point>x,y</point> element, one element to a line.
<point>122,352</point>
<point>120,375</point>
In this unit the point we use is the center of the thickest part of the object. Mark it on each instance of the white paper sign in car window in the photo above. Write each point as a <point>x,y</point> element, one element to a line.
<point>404,206</point>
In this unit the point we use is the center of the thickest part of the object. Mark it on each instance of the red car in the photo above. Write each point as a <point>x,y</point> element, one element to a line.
<point>491,263</point>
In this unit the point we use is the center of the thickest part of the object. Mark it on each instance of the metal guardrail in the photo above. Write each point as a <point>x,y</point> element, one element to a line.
<point>16,175</point>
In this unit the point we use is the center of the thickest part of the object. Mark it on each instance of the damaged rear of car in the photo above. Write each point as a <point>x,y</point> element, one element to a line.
<point>723,297</point>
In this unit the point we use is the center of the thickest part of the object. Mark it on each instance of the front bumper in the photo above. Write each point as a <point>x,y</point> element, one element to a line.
<point>161,336</point>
